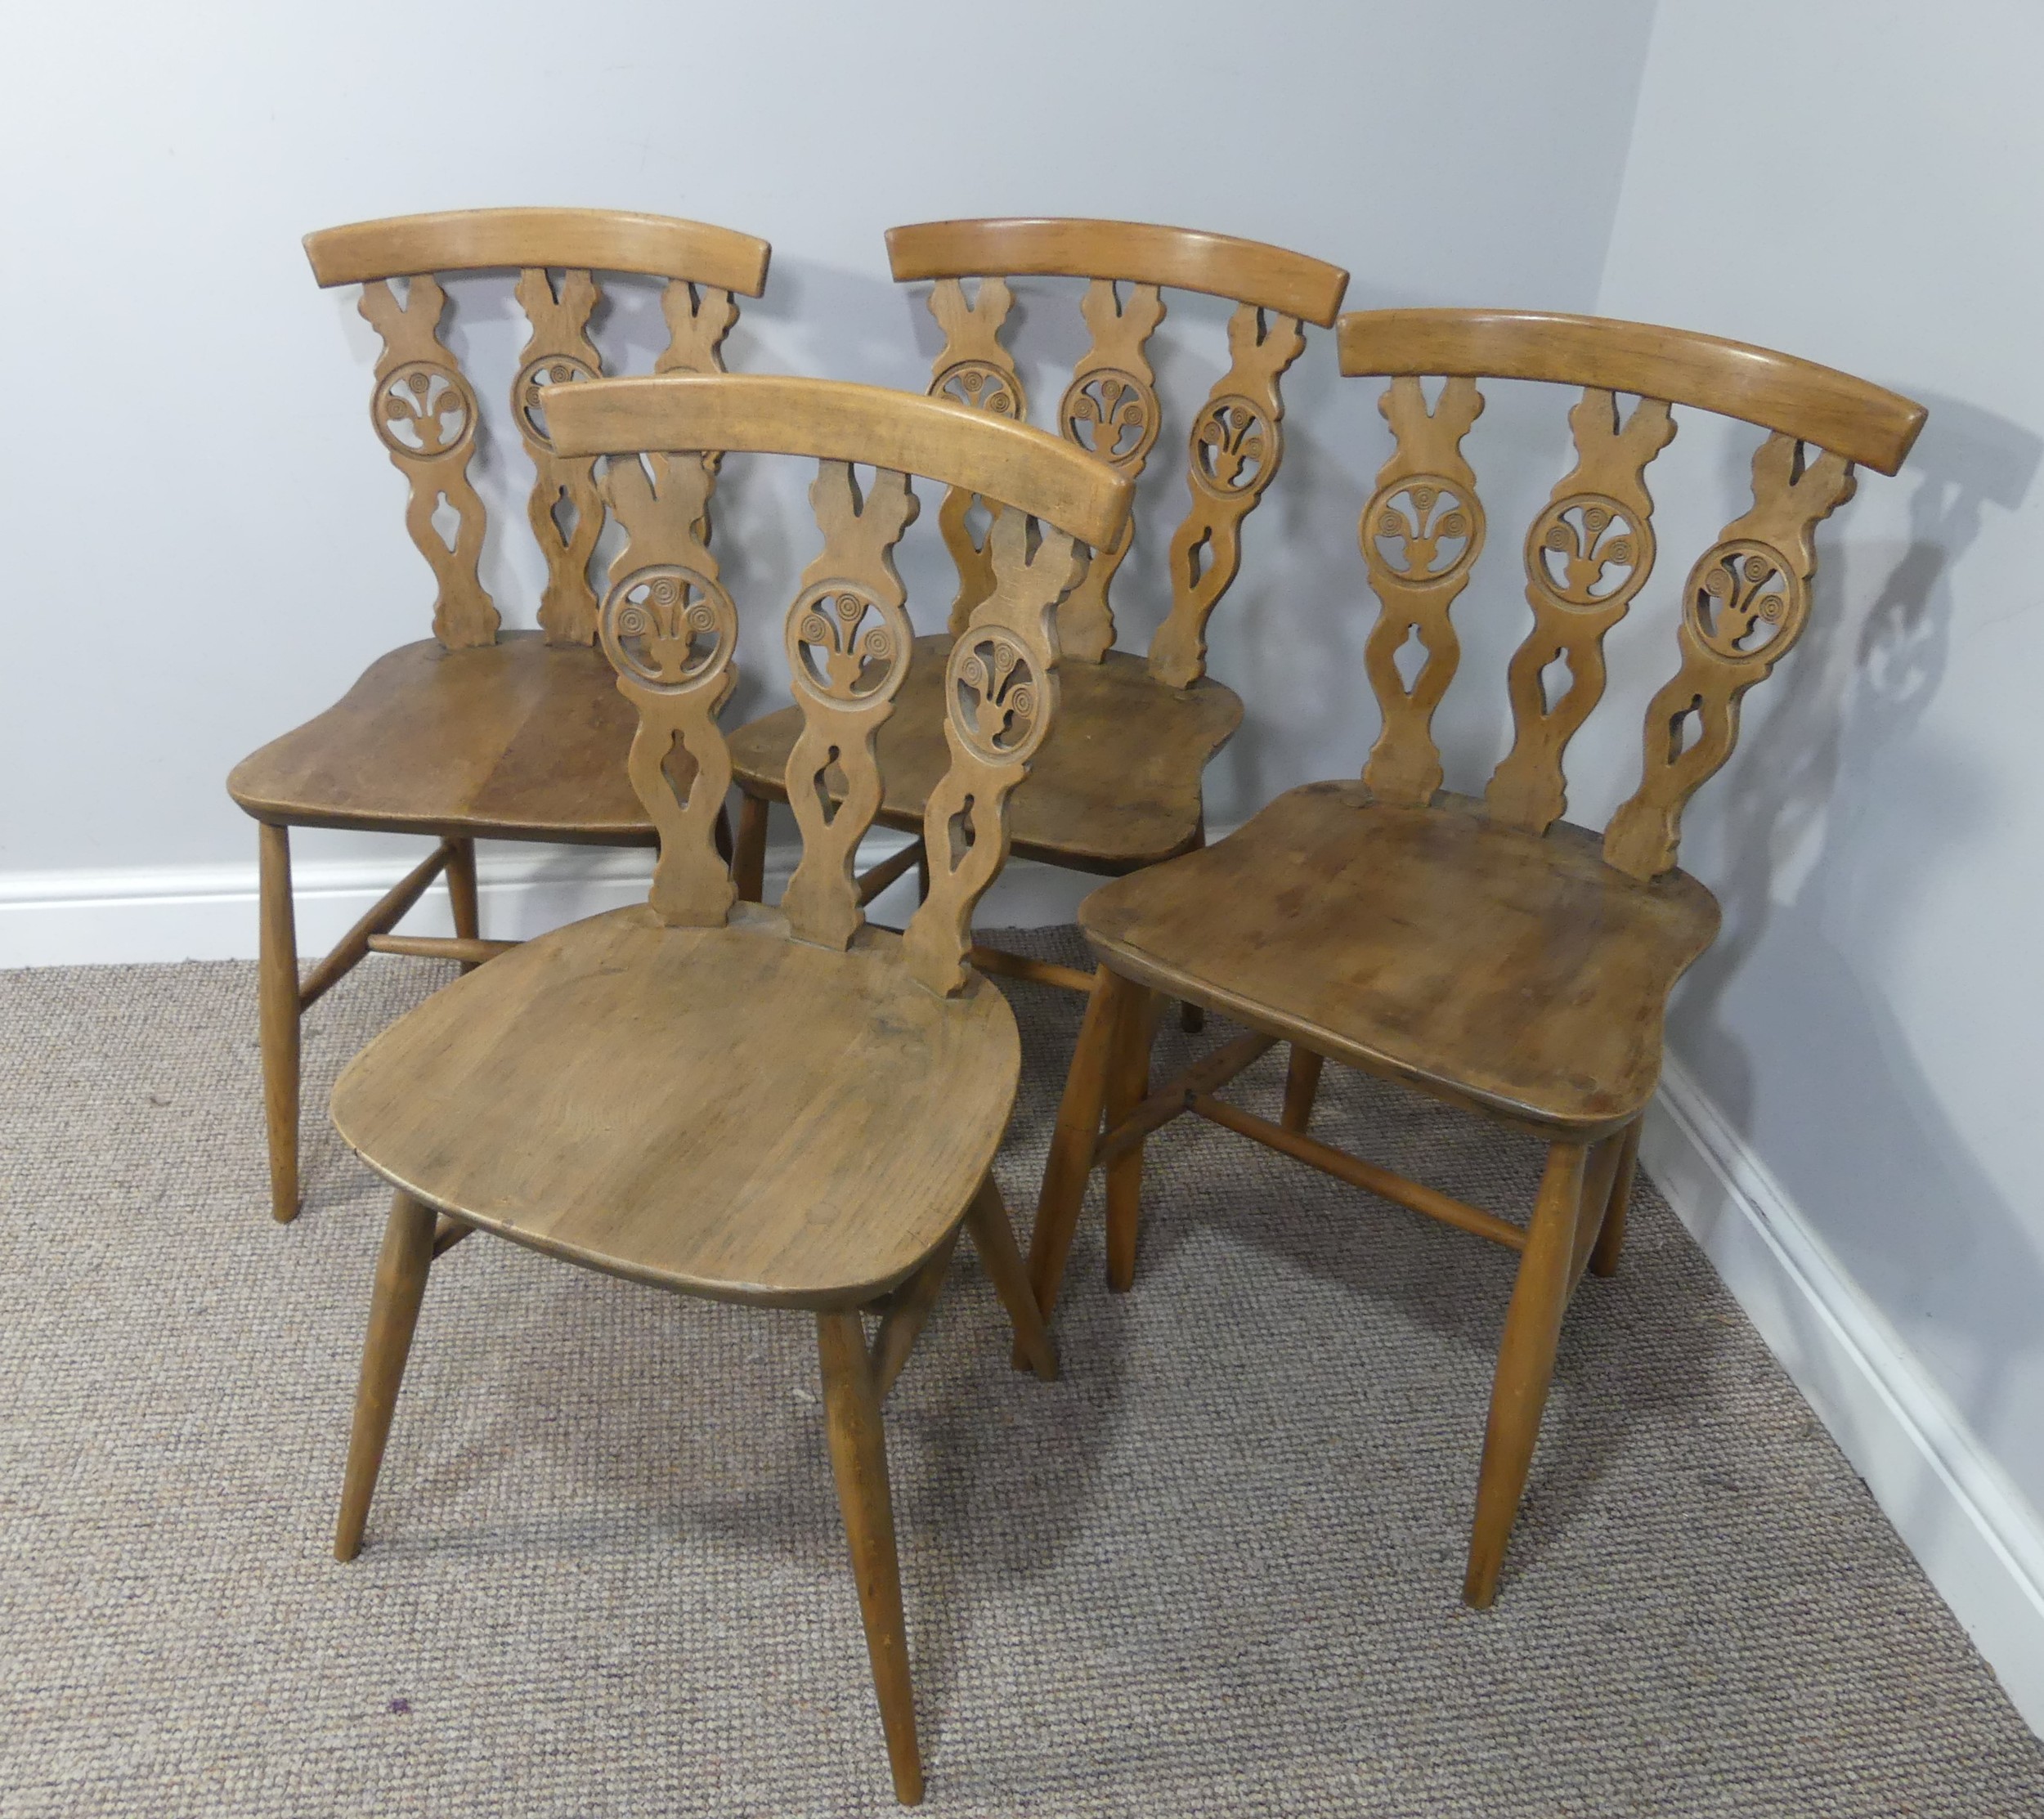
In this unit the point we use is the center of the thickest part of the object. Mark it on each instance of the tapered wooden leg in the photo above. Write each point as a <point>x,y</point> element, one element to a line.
<point>1127,1086</point>
<point>1192,1018</point>
<point>1071,1157</point>
<point>859,1456</point>
<point>748,856</point>
<point>1301,1087</point>
<point>1526,1365</point>
<point>277,1002</point>
<point>461,893</point>
<point>1603,1261</point>
<point>993,1238</point>
<point>393,1314</point>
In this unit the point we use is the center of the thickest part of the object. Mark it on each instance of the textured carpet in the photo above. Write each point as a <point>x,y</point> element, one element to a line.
<point>1213,1571</point>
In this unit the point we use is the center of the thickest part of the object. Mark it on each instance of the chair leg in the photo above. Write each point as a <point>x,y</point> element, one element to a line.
<point>1127,1086</point>
<point>858,1457</point>
<point>748,854</point>
<point>1526,1366</point>
<point>1603,1261</point>
<point>1071,1157</point>
<point>1192,1018</point>
<point>393,1314</point>
<point>993,1238</point>
<point>461,894</point>
<point>277,1001</point>
<point>1302,1087</point>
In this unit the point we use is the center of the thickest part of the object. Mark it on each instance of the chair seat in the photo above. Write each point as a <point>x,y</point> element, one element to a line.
<point>1115,786</point>
<point>1513,972</point>
<point>724,1111</point>
<point>519,739</point>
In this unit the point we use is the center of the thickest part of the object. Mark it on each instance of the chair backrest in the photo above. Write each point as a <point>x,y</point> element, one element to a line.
<point>1589,552</point>
<point>1110,407</point>
<point>424,410</point>
<point>672,629</point>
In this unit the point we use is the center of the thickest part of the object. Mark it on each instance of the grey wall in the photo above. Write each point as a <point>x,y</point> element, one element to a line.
<point>207,544</point>
<point>1864,193</point>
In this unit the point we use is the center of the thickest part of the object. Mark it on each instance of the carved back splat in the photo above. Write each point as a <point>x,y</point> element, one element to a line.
<point>974,369</point>
<point>671,632</point>
<point>849,642</point>
<point>1236,446</point>
<point>1743,607</point>
<point>426,412</point>
<point>1591,551</point>
<point>1110,408</point>
<point>1421,534</point>
<point>669,628</point>
<point>1000,696</point>
<point>1586,556</point>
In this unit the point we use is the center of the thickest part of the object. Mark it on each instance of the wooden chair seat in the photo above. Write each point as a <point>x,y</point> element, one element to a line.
<point>1499,968</point>
<point>1116,785</point>
<point>517,739</point>
<point>805,1126</point>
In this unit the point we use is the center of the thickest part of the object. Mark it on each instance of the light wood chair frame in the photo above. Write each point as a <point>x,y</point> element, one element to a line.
<point>1110,409</point>
<point>1425,508</point>
<point>420,391</point>
<point>671,631</point>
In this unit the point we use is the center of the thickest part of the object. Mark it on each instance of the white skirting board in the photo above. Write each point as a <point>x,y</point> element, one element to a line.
<point>1975,1536</point>
<point>1978,1540</point>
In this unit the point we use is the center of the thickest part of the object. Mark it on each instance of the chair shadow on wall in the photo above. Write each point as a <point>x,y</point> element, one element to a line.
<point>1809,782</point>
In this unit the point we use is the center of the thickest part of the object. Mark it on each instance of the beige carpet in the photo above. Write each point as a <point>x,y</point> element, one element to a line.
<point>1213,1570</point>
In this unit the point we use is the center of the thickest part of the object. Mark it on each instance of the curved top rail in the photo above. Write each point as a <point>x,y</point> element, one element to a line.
<point>589,239</point>
<point>1863,422</point>
<point>836,420</point>
<point>1181,258</point>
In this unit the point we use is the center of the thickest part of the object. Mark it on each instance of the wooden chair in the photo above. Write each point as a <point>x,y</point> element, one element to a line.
<point>785,1106</point>
<point>475,732</point>
<point>1119,787</point>
<point>1485,951</point>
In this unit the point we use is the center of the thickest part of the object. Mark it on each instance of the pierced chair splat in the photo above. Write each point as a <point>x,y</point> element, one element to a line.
<point>476,732</point>
<point>786,1107</point>
<point>1483,950</point>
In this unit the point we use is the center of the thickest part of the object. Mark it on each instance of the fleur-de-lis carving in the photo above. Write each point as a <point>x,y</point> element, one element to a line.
<point>982,387</point>
<point>1232,445</point>
<point>837,655</point>
<point>1434,513</point>
<point>1602,538</point>
<point>529,395</point>
<point>424,411</point>
<point>1111,415</point>
<point>999,696</point>
<point>1741,587</point>
<point>669,627</point>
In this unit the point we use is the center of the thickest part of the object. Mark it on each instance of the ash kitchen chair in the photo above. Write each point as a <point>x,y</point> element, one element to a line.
<point>475,732</point>
<point>786,1107</point>
<point>1119,786</point>
<point>1483,950</point>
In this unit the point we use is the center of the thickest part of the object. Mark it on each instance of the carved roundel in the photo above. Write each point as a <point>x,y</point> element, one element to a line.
<point>1235,447</point>
<point>983,386</point>
<point>529,390</point>
<point>1110,414</point>
<point>668,628</point>
<point>1742,601</point>
<point>1422,528</point>
<point>424,411</point>
<point>1586,551</point>
<point>845,646</point>
<point>1000,700</point>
